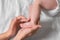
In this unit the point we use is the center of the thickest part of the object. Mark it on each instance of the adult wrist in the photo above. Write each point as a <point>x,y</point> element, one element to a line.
<point>9,34</point>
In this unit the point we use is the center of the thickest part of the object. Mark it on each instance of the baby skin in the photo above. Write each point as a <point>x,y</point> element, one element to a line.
<point>35,11</point>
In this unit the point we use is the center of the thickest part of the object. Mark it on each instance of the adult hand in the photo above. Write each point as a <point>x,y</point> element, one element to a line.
<point>29,24</point>
<point>24,32</point>
<point>14,25</point>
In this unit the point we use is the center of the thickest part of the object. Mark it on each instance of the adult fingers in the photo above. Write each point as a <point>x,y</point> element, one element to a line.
<point>22,19</point>
<point>34,30</point>
<point>26,31</point>
<point>36,27</point>
<point>23,33</point>
<point>25,20</point>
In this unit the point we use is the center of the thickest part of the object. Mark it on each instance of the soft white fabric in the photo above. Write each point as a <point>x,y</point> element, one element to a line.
<point>52,12</point>
<point>12,8</point>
